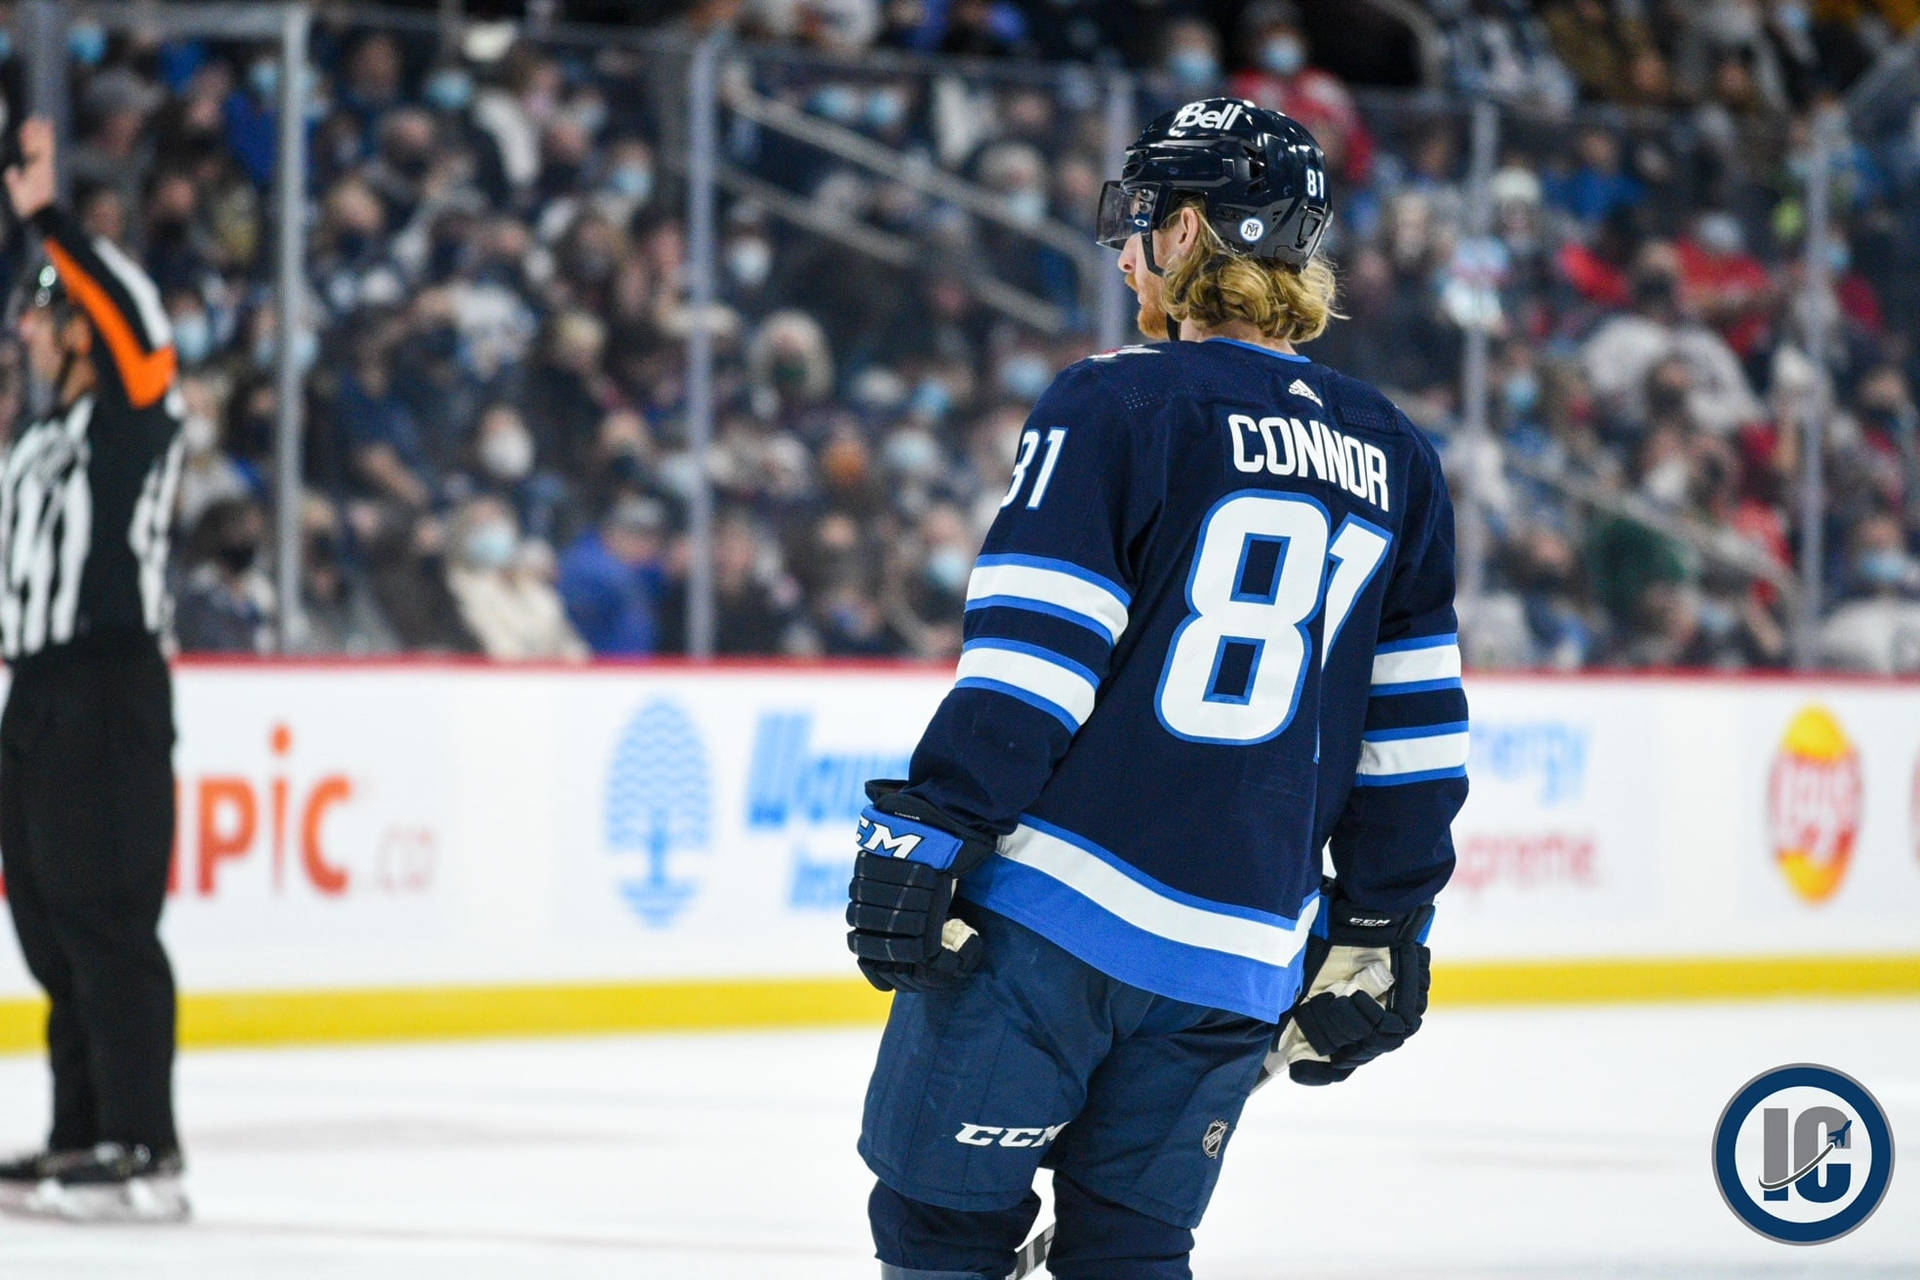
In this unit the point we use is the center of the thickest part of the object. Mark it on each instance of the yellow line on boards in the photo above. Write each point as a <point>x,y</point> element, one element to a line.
<point>415,1013</point>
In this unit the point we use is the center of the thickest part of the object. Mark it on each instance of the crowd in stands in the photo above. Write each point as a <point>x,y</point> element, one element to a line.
<point>497,460</point>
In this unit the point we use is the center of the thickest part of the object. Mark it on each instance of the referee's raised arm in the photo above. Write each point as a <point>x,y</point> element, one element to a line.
<point>114,292</point>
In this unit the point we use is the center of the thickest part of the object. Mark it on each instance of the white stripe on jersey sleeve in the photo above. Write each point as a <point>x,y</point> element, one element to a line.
<point>1416,665</point>
<point>1050,590</point>
<point>1395,756</point>
<point>1065,688</point>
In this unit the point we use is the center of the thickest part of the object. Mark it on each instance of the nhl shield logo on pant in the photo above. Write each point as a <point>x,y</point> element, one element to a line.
<point>1803,1154</point>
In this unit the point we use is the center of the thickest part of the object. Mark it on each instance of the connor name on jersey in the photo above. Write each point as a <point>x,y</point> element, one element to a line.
<point>1289,447</point>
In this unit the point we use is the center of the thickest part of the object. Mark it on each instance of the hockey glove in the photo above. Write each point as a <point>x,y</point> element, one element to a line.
<point>1367,983</point>
<point>909,859</point>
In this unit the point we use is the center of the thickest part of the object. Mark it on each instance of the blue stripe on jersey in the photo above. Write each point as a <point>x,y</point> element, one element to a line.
<point>1137,956</point>
<point>1062,685</point>
<point>1414,708</point>
<point>1067,567</point>
<point>1418,642</point>
<point>1415,731</point>
<point>982,684</point>
<point>1400,664</point>
<point>1046,607</point>
<point>1067,636</point>
<point>1147,882</point>
<point>1403,779</point>
<point>1265,351</point>
<point>1417,686</point>
<point>1045,585</point>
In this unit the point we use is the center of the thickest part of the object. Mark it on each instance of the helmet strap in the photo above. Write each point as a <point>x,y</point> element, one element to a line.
<point>1154,268</point>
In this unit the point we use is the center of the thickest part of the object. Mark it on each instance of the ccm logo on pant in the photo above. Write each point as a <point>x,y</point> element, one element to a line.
<point>990,1135</point>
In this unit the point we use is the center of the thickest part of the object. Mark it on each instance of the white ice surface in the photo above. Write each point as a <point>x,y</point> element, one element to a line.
<point>1569,1143</point>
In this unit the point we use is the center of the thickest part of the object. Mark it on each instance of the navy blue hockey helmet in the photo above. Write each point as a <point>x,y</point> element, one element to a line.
<point>1261,175</point>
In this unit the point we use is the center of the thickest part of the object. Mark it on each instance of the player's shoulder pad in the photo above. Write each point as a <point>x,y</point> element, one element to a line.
<point>1123,370</point>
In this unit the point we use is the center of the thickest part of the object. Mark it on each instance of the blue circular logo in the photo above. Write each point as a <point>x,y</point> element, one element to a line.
<point>1803,1154</point>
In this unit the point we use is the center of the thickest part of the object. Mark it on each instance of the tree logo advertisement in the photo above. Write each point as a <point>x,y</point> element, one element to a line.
<point>658,805</point>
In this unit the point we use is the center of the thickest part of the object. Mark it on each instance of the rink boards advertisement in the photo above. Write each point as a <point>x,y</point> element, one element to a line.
<point>646,845</point>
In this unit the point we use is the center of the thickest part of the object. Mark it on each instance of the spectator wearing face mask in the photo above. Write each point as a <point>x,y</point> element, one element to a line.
<point>1190,61</point>
<point>337,611</point>
<point>1724,284</point>
<point>1622,352</point>
<point>1276,73</point>
<point>226,604</point>
<point>505,602</point>
<point>756,603</point>
<point>505,467</point>
<point>1879,631</point>
<point>207,474</point>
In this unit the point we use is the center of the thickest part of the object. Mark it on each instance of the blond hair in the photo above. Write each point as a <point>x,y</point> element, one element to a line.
<point>1214,286</point>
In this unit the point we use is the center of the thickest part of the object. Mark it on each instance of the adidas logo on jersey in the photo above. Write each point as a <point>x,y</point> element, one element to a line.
<point>1300,388</point>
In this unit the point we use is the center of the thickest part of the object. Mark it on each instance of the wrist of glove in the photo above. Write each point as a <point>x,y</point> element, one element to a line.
<point>1366,992</point>
<point>909,859</point>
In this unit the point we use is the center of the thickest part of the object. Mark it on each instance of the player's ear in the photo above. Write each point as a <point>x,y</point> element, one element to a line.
<point>1186,231</point>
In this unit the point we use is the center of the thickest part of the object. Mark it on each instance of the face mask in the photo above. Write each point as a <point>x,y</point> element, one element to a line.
<point>87,42</point>
<point>1024,377</point>
<point>931,399</point>
<point>1884,568</point>
<point>1283,55</point>
<point>264,76</point>
<point>1716,619</point>
<point>947,568</point>
<point>306,349</point>
<point>1667,483</point>
<point>193,337</point>
<point>1028,206</point>
<point>1522,393</point>
<point>591,115</point>
<point>1720,233</point>
<point>912,453</point>
<point>885,108</point>
<point>1839,257</point>
<point>1193,67</point>
<point>507,455</point>
<point>750,261</point>
<point>632,182</point>
<point>1793,17</point>
<point>450,89</point>
<point>490,546</point>
<point>836,102</point>
<point>198,434</point>
<point>237,556</point>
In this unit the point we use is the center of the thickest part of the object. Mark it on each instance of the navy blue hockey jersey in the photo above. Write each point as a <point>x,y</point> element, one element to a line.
<point>1210,631</point>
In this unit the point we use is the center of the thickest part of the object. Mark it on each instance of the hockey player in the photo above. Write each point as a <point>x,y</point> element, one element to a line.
<point>1211,634</point>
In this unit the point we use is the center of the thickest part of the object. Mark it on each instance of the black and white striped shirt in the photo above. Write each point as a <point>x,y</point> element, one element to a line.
<point>87,494</point>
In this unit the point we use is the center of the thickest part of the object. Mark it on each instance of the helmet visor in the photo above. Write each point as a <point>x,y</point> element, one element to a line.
<point>1125,210</point>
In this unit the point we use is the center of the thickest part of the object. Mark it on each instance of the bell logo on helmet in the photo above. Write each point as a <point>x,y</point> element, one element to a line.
<point>1197,115</point>
<point>1252,229</point>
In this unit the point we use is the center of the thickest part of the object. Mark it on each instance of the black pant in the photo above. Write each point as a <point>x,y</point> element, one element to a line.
<point>86,833</point>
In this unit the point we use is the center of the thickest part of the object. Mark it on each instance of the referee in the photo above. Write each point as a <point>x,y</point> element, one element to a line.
<point>86,741</point>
